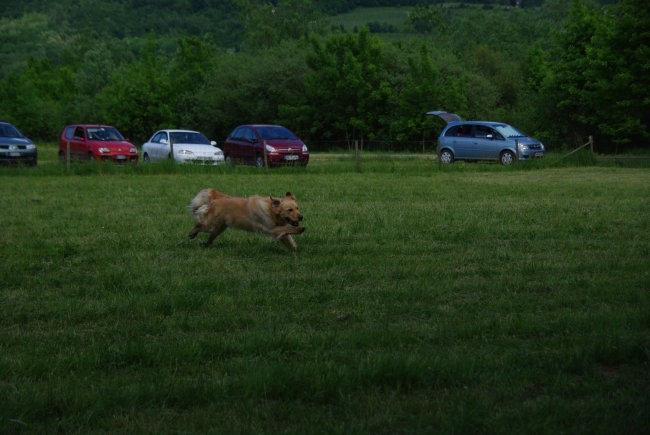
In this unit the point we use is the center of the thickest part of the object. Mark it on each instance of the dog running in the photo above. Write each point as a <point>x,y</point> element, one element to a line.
<point>215,211</point>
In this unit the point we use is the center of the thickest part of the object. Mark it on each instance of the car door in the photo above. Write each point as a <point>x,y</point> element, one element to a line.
<point>231,144</point>
<point>249,145</point>
<point>488,142</point>
<point>461,140</point>
<point>483,146</point>
<point>78,146</point>
<point>161,145</point>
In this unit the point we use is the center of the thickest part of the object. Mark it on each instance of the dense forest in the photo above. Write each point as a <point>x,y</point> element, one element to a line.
<point>560,70</point>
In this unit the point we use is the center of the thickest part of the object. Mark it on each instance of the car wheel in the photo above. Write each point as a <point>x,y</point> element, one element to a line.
<point>507,158</point>
<point>145,158</point>
<point>228,160</point>
<point>259,161</point>
<point>446,156</point>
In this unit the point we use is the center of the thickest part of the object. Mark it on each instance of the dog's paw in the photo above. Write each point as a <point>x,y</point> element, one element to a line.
<point>300,230</point>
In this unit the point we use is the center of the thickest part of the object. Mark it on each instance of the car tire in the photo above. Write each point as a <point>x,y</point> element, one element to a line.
<point>446,157</point>
<point>507,158</point>
<point>259,161</point>
<point>145,158</point>
<point>228,160</point>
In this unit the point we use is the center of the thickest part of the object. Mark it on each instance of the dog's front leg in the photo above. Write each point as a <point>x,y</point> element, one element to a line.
<point>282,231</point>
<point>288,240</point>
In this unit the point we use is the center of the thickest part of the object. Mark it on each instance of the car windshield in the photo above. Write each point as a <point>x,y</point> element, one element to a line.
<point>275,133</point>
<point>508,131</point>
<point>8,130</point>
<point>189,137</point>
<point>104,133</point>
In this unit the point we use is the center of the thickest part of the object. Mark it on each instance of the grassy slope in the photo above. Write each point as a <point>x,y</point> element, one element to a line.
<point>474,298</point>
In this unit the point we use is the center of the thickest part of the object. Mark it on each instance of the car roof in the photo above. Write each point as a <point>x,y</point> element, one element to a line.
<point>261,125</point>
<point>174,130</point>
<point>89,125</point>
<point>489,123</point>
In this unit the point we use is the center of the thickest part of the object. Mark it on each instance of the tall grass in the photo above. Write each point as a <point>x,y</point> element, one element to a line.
<point>470,298</point>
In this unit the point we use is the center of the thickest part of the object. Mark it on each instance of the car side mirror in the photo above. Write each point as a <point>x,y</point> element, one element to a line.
<point>163,141</point>
<point>213,143</point>
<point>489,136</point>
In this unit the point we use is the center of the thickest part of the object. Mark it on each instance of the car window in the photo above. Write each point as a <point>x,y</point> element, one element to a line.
<point>482,131</point>
<point>159,137</point>
<point>235,133</point>
<point>104,133</point>
<point>275,132</point>
<point>189,137</point>
<point>8,130</point>
<point>460,130</point>
<point>509,131</point>
<point>249,134</point>
<point>78,133</point>
<point>69,132</point>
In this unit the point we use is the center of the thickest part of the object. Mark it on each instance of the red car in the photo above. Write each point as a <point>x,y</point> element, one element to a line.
<point>96,142</point>
<point>249,143</point>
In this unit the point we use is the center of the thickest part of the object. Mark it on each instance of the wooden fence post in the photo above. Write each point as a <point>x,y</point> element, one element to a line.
<point>591,143</point>
<point>357,157</point>
<point>266,157</point>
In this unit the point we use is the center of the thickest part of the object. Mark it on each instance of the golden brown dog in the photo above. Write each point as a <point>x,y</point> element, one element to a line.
<point>215,211</point>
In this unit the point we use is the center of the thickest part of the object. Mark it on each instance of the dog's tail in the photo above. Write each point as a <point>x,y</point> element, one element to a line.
<point>200,204</point>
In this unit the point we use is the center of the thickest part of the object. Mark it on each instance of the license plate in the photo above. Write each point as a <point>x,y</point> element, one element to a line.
<point>14,154</point>
<point>539,155</point>
<point>120,157</point>
<point>291,157</point>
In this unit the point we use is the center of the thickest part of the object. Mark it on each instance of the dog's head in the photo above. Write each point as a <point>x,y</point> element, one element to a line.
<point>286,210</point>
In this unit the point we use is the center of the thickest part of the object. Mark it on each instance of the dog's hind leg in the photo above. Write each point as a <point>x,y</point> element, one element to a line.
<point>196,230</point>
<point>214,233</point>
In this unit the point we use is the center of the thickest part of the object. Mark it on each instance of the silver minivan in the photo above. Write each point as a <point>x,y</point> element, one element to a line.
<point>484,140</point>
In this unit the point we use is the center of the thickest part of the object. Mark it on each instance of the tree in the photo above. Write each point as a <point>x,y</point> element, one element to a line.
<point>598,75</point>
<point>346,90</point>
<point>250,87</point>
<point>267,24</point>
<point>138,100</point>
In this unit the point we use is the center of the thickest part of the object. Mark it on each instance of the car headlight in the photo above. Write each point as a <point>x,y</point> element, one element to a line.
<point>523,147</point>
<point>104,150</point>
<point>133,150</point>
<point>270,149</point>
<point>218,153</point>
<point>30,146</point>
<point>304,149</point>
<point>185,152</point>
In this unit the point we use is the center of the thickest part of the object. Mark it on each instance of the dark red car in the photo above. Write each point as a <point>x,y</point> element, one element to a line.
<point>247,143</point>
<point>96,142</point>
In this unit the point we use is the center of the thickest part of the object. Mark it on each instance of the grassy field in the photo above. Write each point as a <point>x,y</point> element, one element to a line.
<point>395,16</point>
<point>463,299</point>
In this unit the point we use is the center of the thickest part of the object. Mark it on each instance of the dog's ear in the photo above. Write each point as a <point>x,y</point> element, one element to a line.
<point>290,195</point>
<point>274,202</point>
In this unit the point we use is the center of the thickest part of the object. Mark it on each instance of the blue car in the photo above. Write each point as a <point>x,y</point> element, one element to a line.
<point>484,140</point>
<point>14,147</point>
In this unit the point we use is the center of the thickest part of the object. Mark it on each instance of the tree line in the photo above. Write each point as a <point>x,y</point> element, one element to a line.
<point>559,71</point>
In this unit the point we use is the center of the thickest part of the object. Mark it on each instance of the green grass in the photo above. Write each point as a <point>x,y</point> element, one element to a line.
<point>462,299</point>
<point>395,16</point>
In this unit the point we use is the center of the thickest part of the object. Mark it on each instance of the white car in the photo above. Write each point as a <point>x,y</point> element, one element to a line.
<point>187,146</point>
